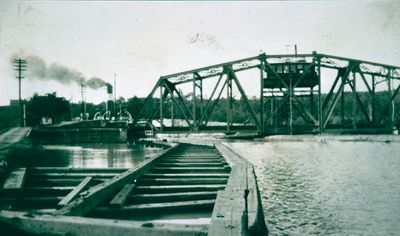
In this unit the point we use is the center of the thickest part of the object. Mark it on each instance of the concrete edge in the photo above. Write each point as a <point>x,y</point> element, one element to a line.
<point>237,184</point>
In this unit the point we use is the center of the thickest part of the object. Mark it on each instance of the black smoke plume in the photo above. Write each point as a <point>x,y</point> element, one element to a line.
<point>38,69</point>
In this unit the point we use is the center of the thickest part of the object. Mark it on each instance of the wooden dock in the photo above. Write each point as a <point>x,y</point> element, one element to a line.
<point>182,179</point>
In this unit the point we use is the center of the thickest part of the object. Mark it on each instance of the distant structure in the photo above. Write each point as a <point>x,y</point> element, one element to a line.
<point>290,98</point>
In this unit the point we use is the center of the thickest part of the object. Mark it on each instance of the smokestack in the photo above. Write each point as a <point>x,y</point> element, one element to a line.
<point>109,102</point>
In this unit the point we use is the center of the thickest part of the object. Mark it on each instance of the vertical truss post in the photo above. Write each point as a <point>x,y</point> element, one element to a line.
<point>262,123</point>
<point>391,100</point>
<point>172,114</point>
<point>148,100</point>
<point>229,101</point>
<point>176,102</point>
<point>374,103</point>
<point>210,108</point>
<point>246,100</point>
<point>342,101</point>
<point>312,101</point>
<point>354,111</point>
<point>320,128</point>
<point>210,105</point>
<point>201,97</point>
<point>195,127</point>
<point>332,105</point>
<point>161,109</point>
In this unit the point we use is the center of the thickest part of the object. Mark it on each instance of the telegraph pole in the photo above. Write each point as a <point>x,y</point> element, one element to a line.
<point>20,65</point>
<point>115,90</point>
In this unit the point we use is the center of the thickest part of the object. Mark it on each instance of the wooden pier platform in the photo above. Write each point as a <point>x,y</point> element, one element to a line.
<point>182,180</point>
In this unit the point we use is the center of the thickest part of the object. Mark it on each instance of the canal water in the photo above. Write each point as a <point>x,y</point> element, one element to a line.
<point>327,188</point>
<point>91,155</point>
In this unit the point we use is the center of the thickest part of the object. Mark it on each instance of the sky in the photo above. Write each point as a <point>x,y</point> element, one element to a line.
<point>140,41</point>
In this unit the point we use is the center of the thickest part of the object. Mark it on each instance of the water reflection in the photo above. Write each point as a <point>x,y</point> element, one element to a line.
<point>332,188</point>
<point>93,155</point>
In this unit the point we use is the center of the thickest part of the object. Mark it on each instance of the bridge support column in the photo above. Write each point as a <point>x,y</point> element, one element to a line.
<point>161,109</point>
<point>262,71</point>
<point>320,121</point>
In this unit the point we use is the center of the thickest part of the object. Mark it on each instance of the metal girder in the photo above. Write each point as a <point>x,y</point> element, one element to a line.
<point>176,102</point>
<point>332,105</point>
<point>215,102</point>
<point>204,114</point>
<point>371,92</point>
<point>331,91</point>
<point>246,100</point>
<point>197,114</point>
<point>364,111</point>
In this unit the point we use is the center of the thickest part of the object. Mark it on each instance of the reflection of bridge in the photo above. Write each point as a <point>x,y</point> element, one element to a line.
<point>290,99</point>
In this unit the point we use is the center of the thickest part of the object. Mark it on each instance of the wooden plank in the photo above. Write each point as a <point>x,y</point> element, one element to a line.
<point>101,192</point>
<point>188,169</point>
<point>171,197</point>
<point>72,175</point>
<point>157,207</point>
<point>61,182</point>
<point>67,199</point>
<point>183,160</point>
<point>179,188</point>
<point>15,181</point>
<point>53,225</point>
<point>123,195</point>
<point>228,214</point>
<point>185,175</point>
<point>199,164</point>
<point>76,170</point>
<point>173,181</point>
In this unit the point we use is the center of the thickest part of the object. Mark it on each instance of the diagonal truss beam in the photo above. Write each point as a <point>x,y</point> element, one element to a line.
<point>244,96</point>
<point>330,108</point>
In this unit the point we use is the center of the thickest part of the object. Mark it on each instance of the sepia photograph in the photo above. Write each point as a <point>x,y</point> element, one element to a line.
<point>197,118</point>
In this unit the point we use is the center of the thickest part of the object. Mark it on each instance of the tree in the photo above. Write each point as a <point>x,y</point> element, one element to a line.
<point>57,108</point>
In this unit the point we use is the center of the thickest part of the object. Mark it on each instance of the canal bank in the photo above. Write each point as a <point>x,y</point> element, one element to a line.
<point>14,143</point>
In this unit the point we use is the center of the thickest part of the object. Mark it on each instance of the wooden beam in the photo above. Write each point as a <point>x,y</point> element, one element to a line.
<point>119,200</point>
<point>15,182</point>
<point>187,169</point>
<point>183,181</point>
<point>46,224</point>
<point>163,206</point>
<point>229,216</point>
<point>99,193</point>
<point>185,175</point>
<point>179,188</point>
<point>67,199</point>
<point>171,197</point>
<point>69,170</point>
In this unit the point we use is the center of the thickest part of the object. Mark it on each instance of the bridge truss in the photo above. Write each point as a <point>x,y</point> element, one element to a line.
<point>290,97</point>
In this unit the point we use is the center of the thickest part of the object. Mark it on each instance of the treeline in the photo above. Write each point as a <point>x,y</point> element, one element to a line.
<point>60,109</point>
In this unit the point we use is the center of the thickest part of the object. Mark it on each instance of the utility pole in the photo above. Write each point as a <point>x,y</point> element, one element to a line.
<point>115,90</point>
<point>20,65</point>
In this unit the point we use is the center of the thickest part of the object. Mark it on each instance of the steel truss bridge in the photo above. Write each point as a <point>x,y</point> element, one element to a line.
<point>289,101</point>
